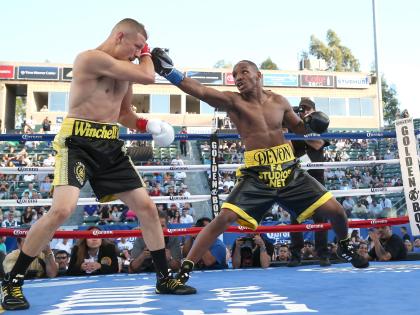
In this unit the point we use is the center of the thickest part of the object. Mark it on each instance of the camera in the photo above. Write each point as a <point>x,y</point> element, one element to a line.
<point>296,109</point>
<point>247,242</point>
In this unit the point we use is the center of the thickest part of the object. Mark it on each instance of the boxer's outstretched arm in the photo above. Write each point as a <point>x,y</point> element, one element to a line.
<point>221,100</point>
<point>165,67</point>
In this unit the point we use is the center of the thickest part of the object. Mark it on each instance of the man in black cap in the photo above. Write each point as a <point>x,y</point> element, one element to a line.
<point>315,151</point>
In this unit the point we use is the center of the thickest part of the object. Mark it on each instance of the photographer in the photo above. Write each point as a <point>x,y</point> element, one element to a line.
<point>252,251</point>
<point>142,259</point>
<point>386,245</point>
<point>214,257</point>
<point>314,149</point>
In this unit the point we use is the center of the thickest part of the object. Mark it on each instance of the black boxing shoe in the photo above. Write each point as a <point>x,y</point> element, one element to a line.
<point>347,252</point>
<point>184,274</point>
<point>12,295</point>
<point>170,285</point>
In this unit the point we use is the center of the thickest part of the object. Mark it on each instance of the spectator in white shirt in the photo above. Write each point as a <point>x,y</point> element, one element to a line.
<point>177,161</point>
<point>64,244</point>
<point>49,161</point>
<point>185,217</point>
<point>229,182</point>
<point>10,222</point>
<point>375,209</point>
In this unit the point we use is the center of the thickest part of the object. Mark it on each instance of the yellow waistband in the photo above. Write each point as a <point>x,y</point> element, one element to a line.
<point>89,129</point>
<point>275,155</point>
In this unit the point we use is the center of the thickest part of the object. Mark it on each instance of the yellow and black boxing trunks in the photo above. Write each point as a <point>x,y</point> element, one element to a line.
<point>271,176</point>
<point>88,150</point>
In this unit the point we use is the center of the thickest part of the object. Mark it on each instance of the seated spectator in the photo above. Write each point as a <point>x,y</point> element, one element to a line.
<point>62,260</point>
<point>386,205</point>
<point>176,219</point>
<point>177,161</point>
<point>29,216</point>
<point>49,161</point>
<point>43,266</point>
<point>214,257</point>
<point>404,233</point>
<point>115,213</point>
<point>375,209</point>
<point>130,216</point>
<point>45,187</point>
<point>283,253</point>
<point>348,204</point>
<point>172,210</point>
<point>64,244</point>
<point>10,222</point>
<point>205,147</point>
<point>228,182</point>
<point>90,210</point>
<point>416,247</point>
<point>142,259</point>
<point>105,216</point>
<point>386,245</point>
<point>363,249</point>
<point>93,256</point>
<point>155,192</point>
<point>225,190</point>
<point>185,217</point>
<point>30,190</point>
<point>125,246</point>
<point>308,251</point>
<point>252,251</point>
<point>408,246</point>
<point>191,210</point>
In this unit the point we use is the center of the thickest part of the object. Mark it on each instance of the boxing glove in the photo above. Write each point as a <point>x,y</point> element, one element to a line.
<point>165,67</point>
<point>162,133</point>
<point>316,122</point>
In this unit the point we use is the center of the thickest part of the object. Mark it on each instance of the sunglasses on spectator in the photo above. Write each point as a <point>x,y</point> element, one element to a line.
<point>61,257</point>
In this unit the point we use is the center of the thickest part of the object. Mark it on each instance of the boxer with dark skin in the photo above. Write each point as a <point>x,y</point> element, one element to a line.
<point>271,173</point>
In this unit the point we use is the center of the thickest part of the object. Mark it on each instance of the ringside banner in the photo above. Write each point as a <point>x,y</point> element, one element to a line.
<point>211,78</point>
<point>7,72</point>
<point>37,73</point>
<point>407,148</point>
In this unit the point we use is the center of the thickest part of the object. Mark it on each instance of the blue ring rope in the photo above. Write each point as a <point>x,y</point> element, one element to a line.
<point>289,136</point>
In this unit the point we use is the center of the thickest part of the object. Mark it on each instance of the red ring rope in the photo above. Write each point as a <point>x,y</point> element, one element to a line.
<point>196,230</point>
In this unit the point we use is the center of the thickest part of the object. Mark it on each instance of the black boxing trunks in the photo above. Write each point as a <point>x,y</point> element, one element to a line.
<point>273,175</point>
<point>88,150</point>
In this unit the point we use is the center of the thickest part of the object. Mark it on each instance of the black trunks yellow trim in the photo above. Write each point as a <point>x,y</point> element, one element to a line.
<point>275,155</point>
<point>307,213</point>
<point>244,218</point>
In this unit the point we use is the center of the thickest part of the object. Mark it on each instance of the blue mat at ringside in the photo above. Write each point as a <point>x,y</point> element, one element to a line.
<point>383,288</point>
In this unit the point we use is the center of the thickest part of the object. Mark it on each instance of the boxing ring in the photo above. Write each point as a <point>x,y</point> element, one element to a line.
<point>384,287</point>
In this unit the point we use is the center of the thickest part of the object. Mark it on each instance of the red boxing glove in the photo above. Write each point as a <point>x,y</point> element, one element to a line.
<point>141,124</point>
<point>145,51</point>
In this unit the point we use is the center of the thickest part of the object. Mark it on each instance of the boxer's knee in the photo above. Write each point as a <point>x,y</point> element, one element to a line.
<point>59,215</point>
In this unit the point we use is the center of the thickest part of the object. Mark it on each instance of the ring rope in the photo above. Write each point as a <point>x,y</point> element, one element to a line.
<point>231,136</point>
<point>193,198</point>
<point>196,230</point>
<point>199,167</point>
